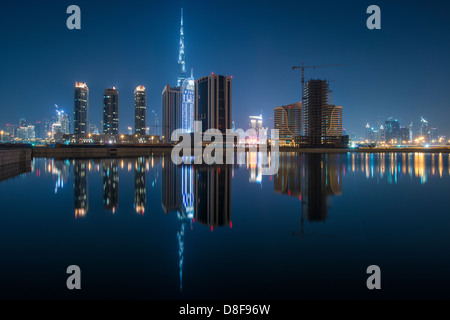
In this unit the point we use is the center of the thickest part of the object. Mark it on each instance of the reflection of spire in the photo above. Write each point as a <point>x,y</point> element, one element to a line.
<point>180,237</point>
<point>181,59</point>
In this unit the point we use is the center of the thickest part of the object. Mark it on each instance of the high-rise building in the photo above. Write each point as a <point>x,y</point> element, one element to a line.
<point>213,102</point>
<point>187,104</point>
<point>40,130</point>
<point>256,123</point>
<point>93,128</point>
<point>392,130</point>
<point>181,59</point>
<point>171,111</point>
<point>111,111</point>
<point>30,133</point>
<point>425,129</point>
<point>434,134</point>
<point>404,134</point>
<point>64,121</point>
<point>140,107</point>
<point>288,121</point>
<point>81,108</point>
<point>315,105</point>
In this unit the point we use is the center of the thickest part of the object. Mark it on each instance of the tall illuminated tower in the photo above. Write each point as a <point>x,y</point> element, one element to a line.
<point>181,60</point>
<point>81,108</point>
<point>111,111</point>
<point>187,104</point>
<point>140,106</point>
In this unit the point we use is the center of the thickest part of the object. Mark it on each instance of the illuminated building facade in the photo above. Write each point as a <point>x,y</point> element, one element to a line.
<point>256,123</point>
<point>81,108</point>
<point>187,104</point>
<point>314,110</point>
<point>140,107</point>
<point>181,58</point>
<point>333,120</point>
<point>171,111</point>
<point>213,102</point>
<point>288,121</point>
<point>392,130</point>
<point>111,111</point>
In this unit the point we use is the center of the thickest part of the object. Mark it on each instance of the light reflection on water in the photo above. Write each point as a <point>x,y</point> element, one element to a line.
<point>221,199</point>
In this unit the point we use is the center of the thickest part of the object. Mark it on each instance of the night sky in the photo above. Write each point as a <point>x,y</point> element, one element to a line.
<point>402,70</point>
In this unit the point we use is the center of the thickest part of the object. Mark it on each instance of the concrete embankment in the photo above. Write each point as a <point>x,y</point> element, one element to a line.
<point>80,152</point>
<point>14,161</point>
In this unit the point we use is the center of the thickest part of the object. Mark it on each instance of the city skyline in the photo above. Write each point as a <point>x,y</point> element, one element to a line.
<point>376,83</point>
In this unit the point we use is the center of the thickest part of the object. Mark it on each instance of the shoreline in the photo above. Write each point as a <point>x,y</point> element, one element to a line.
<point>123,151</point>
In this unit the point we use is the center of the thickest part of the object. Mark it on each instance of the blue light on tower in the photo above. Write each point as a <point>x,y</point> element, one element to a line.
<point>187,106</point>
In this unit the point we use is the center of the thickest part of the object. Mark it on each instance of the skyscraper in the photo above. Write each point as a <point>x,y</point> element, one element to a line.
<point>81,108</point>
<point>314,109</point>
<point>256,123</point>
<point>288,121</point>
<point>392,130</point>
<point>181,60</point>
<point>111,111</point>
<point>140,107</point>
<point>171,111</point>
<point>425,129</point>
<point>187,104</point>
<point>213,102</point>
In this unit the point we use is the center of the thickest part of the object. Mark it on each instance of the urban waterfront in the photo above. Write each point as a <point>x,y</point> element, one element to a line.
<point>144,228</point>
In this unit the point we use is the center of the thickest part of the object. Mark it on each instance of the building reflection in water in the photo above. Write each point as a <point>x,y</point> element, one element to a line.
<point>196,194</point>
<point>80,188</point>
<point>110,175</point>
<point>59,169</point>
<point>139,185</point>
<point>313,179</point>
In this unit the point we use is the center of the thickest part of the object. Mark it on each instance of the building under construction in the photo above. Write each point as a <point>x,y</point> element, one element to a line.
<point>321,120</point>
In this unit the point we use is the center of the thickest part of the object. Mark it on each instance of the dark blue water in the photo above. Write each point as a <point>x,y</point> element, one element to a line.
<point>143,228</point>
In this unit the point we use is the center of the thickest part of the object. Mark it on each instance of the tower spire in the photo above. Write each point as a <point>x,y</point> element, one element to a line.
<point>181,59</point>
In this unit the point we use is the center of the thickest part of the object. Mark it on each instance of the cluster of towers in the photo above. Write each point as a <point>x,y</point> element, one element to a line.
<point>207,100</point>
<point>110,120</point>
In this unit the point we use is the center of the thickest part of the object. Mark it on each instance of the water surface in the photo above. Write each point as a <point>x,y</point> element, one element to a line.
<point>144,228</point>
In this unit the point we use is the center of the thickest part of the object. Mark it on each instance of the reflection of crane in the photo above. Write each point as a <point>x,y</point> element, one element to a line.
<point>303,67</point>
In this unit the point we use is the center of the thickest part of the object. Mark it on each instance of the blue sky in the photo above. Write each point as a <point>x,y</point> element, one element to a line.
<point>401,70</point>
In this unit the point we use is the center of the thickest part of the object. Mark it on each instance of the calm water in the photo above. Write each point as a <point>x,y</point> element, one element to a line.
<point>143,228</point>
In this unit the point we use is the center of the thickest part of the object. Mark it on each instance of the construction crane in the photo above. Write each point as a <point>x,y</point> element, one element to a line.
<point>303,67</point>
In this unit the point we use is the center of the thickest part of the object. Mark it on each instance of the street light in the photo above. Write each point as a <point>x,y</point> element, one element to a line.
<point>2,132</point>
